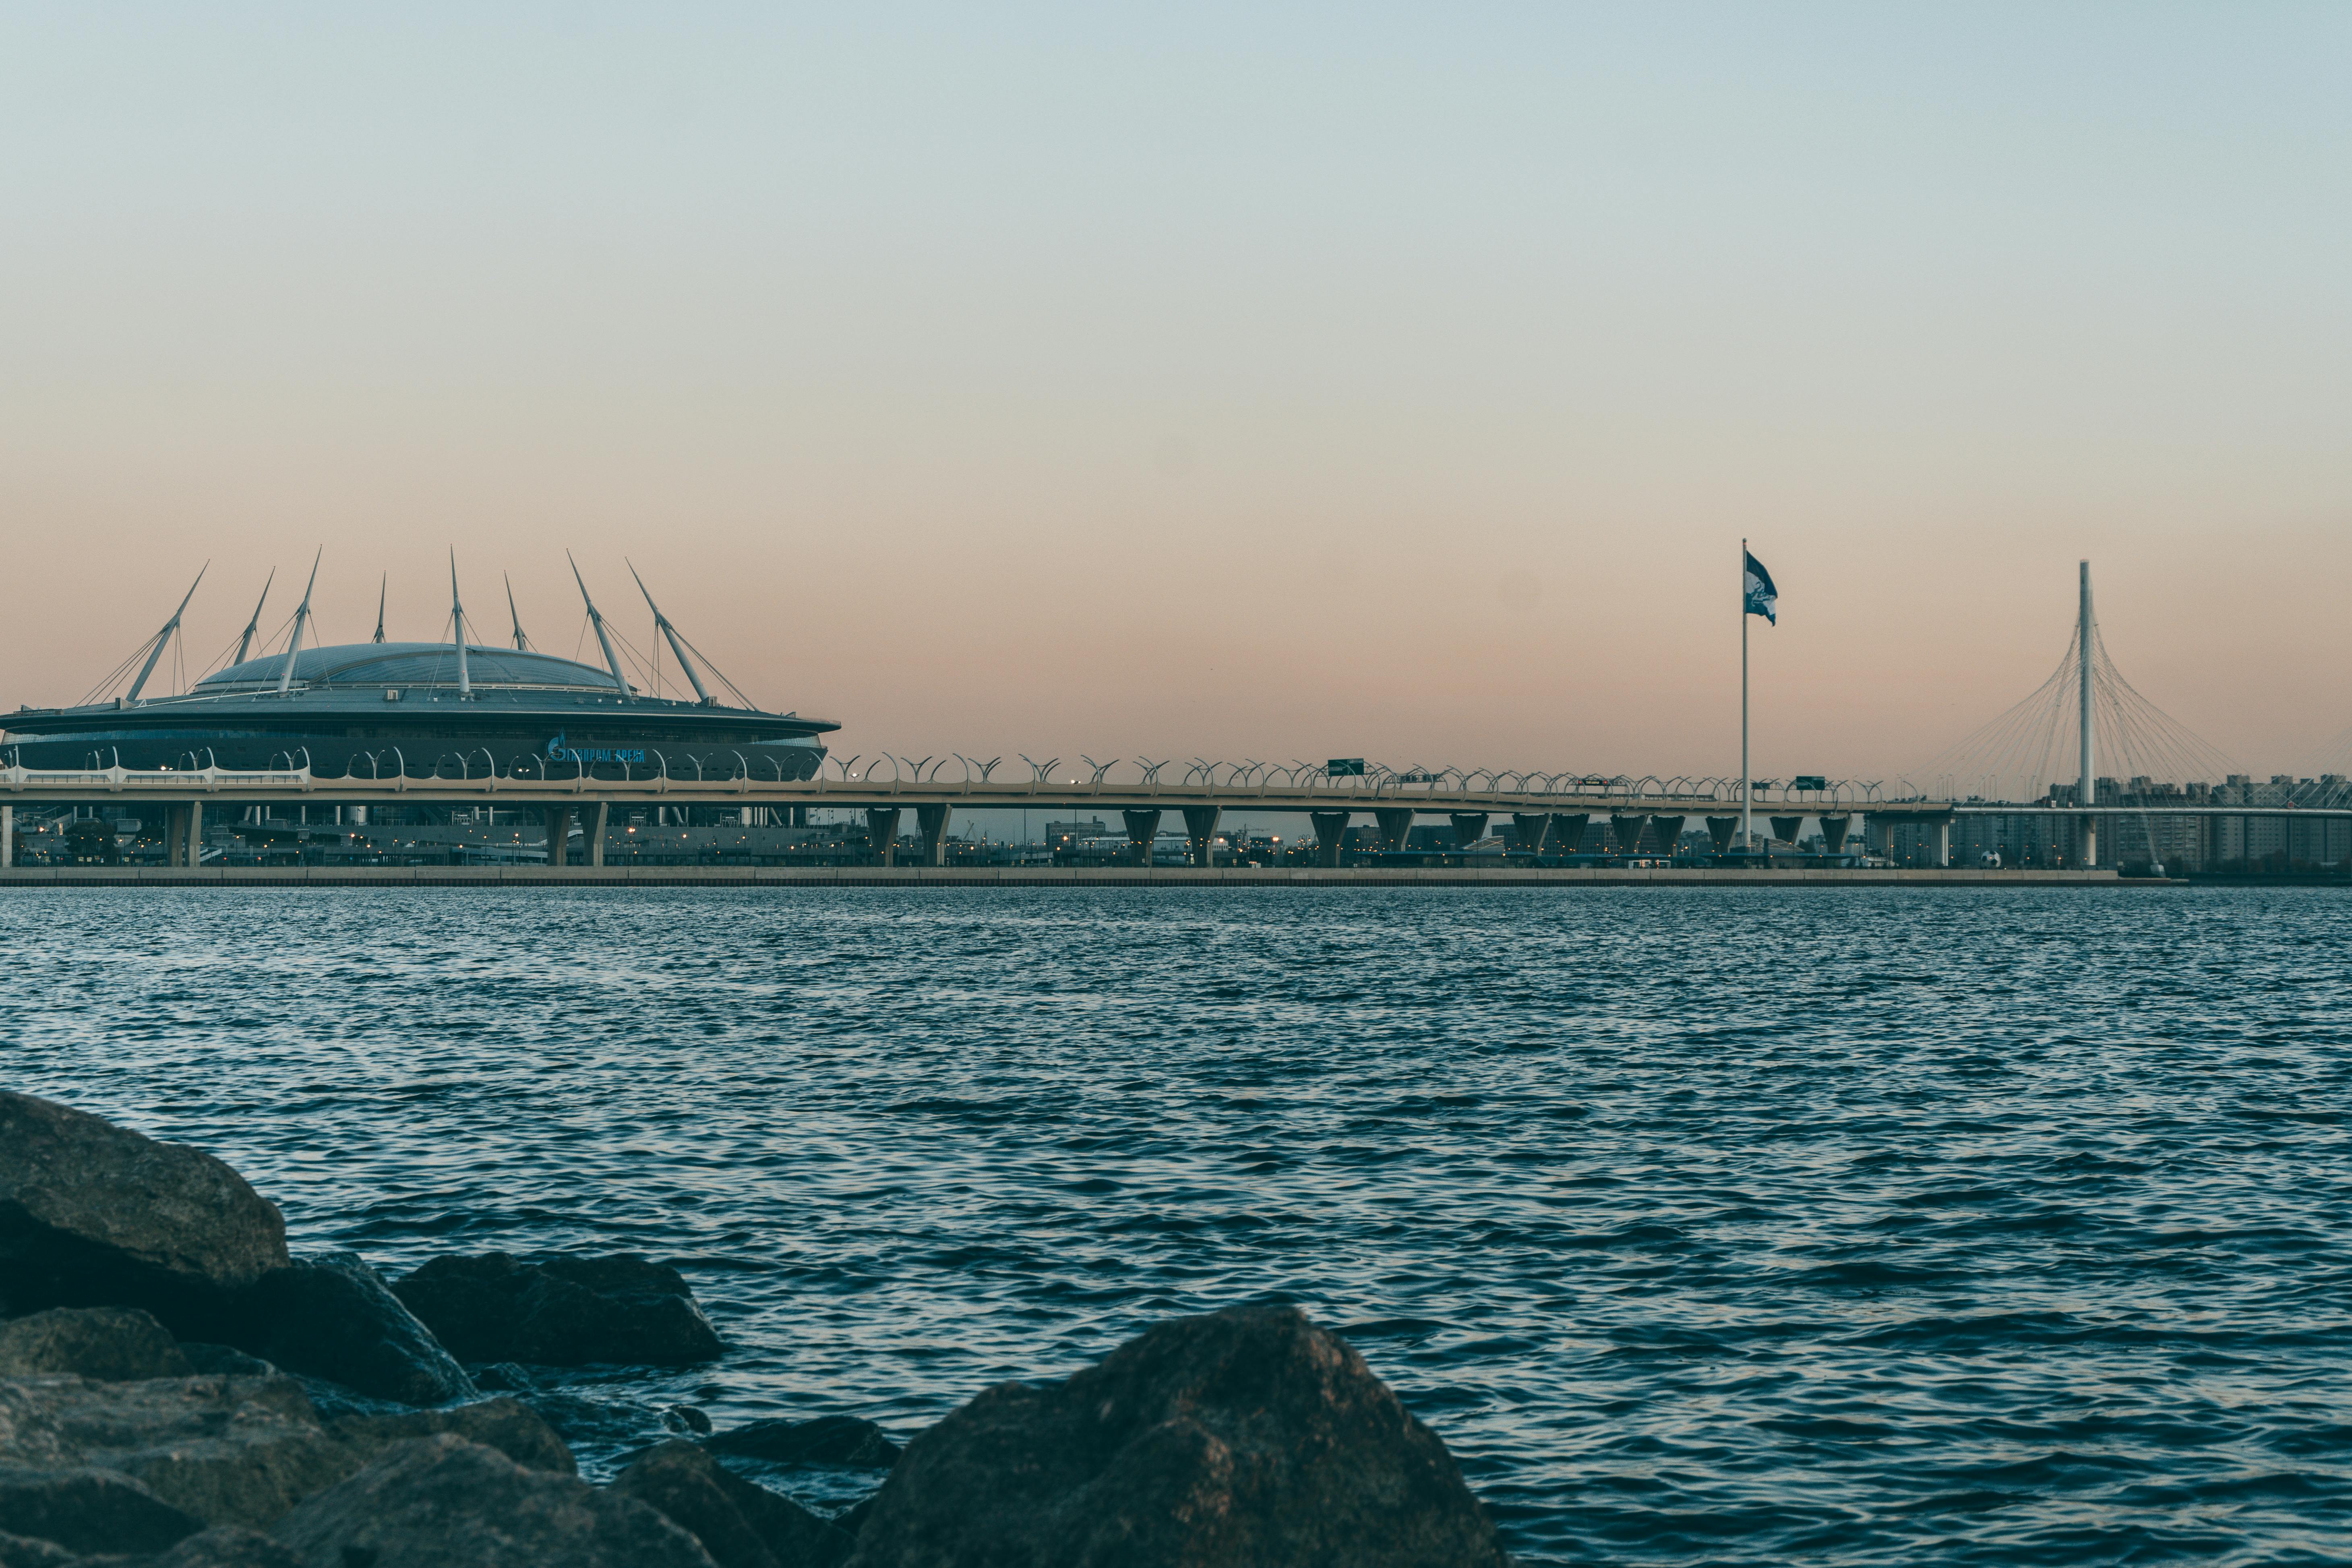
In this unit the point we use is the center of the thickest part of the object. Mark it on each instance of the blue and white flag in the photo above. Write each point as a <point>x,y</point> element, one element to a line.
<point>1763,599</point>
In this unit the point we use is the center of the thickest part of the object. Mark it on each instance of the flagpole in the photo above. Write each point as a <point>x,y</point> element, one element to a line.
<point>1747,823</point>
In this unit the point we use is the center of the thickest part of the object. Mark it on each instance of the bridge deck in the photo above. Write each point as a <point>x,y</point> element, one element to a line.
<point>27,786</point>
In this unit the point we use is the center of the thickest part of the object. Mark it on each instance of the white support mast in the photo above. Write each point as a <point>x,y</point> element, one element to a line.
<point>253,625</point>
<point>522,643</point>
<point>458,630</point>
<point>301,619</point>
<point>604,637</point>
<point>163,637</point>
<point>2084,628</point>
<point>661,624</point>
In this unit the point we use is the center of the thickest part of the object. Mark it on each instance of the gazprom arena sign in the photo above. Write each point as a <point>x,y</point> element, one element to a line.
<point>557,751</point>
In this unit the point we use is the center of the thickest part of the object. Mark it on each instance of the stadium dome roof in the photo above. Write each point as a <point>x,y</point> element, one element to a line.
<point>424,663</point>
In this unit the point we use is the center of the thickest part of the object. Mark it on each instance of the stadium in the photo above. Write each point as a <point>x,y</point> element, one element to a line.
<point>458,708</point>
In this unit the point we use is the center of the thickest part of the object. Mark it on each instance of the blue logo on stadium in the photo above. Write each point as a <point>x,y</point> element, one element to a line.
<point>557,751</point>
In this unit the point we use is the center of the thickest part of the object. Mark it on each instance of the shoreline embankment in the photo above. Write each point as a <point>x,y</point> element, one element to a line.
<point>1038,877</point>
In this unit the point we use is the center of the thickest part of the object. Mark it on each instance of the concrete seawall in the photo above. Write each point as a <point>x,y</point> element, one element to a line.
<point>1007,877</point>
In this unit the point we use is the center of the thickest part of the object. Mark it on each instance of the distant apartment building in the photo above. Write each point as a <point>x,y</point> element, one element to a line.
<point>2050,834</point>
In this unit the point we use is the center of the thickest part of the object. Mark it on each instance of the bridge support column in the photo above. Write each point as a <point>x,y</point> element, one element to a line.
<point>882,833</point>
<point>1627,831</point>
<point>1723,830</point>
<point>1143,827</point>
<point>7,836</point>
<point>1396,826</point>
<point>1330,834</point>
<point>1785,830</point>
<point>193,826</point>
<point>1834,828</point>
<point>932,822</point>
<point>596,820</point>
<point>1200,827</point>
<point>1943,841</point>
<point>1469,826</point>
<point>174,834</point>
<point>1567,832</point>
<point>1527,831</point>
<point>2089,840</point>
<point>1668,831</point>
<point>559,836</point>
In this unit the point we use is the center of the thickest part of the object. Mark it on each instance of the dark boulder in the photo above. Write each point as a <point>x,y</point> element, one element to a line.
<point>110,1343</point>
<point>564,1312</point>
<point>24,1552</point>
<point>332,1317</point>
<point>224,1450</point>
<point>92,1214</point>
<point>510,1426</point>
<point>853,1517</point>
<point>88,1510</point>
<point>1248,1438</point>
<point>687,1419</point>
<point>741,1524</point>
<point>441,1501</point>
<point>847,1441</point>
<point>228,1546</point>
<point>225,1361</point>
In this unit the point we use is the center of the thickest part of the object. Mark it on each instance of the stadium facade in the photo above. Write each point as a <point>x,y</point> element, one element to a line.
<point>388,709</point>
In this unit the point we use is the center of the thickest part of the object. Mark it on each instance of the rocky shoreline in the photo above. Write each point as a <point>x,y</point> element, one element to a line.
<point>178,1390</point>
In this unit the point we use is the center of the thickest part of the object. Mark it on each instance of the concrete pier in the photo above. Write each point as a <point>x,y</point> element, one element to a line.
<point>932,822</point>
<point>1330,835</point>
<point>1200,828</point>
<point>1143,827</point>
<point>882,832</point>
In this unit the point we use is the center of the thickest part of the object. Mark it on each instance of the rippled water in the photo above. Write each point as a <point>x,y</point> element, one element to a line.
<point>1704,1224</point>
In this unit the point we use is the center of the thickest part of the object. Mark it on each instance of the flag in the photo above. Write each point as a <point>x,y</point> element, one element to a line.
<point>1763,599</point>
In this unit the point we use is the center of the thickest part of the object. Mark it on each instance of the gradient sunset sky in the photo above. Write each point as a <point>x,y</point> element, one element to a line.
<point>1263,381</point>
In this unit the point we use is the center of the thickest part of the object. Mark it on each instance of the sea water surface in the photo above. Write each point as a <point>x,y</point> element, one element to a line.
<point>1705,1226</point>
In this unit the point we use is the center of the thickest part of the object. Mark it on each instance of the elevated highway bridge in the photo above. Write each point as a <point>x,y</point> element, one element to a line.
<point>1540,813</point>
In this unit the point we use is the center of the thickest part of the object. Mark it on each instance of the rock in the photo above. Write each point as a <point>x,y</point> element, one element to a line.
<point>844,1440</point>
<point>687,1419</point>
<point>565,1311</point>
<point>332,1317</point>
<point>229,1546</point>
<point>1248,1437</point>
<point>510,1426</point>
<point>853,1519</point>
<point>225,1450</point>
<point>602,1427</point>
<point>224,1360</point>
<point>88,1510</point>
<point>92,1214</point>
<point>112,1343</point>
<point>504,1375</point>
<point>441,1501</point>
<point>24,1552</point>
<point>741,1524</point>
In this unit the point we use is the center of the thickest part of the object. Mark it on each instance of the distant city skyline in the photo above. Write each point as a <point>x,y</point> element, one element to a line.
<point>1243,383</point>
